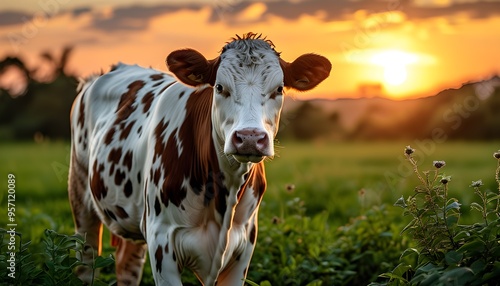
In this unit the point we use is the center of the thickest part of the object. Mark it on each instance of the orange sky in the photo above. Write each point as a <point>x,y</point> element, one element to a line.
<point>411,48</point>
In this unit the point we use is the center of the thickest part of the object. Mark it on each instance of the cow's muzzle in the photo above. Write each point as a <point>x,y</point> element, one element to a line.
<point>251,145</point>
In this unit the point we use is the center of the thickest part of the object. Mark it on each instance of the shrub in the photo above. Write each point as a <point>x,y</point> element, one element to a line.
<point>446,252</point>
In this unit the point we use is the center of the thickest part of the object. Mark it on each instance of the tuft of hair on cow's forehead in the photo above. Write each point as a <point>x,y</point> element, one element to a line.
<point>251,48</point>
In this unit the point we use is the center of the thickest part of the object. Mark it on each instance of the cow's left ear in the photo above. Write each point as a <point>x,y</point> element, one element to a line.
<point>192,68</point>
<point>306,72</point>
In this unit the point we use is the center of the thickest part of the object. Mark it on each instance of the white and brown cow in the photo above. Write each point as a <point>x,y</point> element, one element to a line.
<point>176,165</point>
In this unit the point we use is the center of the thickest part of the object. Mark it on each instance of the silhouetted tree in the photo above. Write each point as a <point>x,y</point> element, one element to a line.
<point>44,107</point>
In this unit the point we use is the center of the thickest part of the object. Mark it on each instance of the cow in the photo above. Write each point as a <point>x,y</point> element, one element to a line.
<point>174,165</point>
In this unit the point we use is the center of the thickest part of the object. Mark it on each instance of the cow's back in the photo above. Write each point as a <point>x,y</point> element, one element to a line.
<point>113,125</point>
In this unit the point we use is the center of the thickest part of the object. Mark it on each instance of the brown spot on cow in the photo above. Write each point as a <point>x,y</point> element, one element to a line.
<point>156,77</point>
<point>128,189</point>
<point>172,183</point>
<point>159,145</point>
<point>108,138</point>
<point>126,130</point>
<point>158,258</point>
<point>147,100</point>
<point>253,234</point>
<point>128,160</point>
<point>111,170</point>
<point>119,177</point>
<point>97,186</point>
<point>157,207</point>
<point>81,112</point>
<point>127,104</point>
<point>147,203</point>
<point>115,155</point>
<point>121,212</point>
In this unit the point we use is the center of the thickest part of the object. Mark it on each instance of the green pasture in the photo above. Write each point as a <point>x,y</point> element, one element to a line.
<point>336,181</point>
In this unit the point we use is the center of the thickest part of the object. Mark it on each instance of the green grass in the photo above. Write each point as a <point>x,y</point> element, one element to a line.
<point>334,181</point>
<point>346,178</point>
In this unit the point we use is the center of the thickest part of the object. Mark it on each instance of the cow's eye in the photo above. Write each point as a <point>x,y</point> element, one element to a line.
<point>219,88</point>
<point>280,89</point>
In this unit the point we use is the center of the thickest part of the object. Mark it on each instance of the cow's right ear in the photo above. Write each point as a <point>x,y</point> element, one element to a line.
<point>192,68</point>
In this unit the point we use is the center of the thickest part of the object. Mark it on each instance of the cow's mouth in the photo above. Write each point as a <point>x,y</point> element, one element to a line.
<point>248,158</point>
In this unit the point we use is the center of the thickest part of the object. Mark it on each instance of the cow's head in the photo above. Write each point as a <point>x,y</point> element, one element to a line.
<point>248,81</point>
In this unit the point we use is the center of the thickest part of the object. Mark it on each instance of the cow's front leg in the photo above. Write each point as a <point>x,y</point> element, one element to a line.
<point>235,273</point>
<point>164,262</point>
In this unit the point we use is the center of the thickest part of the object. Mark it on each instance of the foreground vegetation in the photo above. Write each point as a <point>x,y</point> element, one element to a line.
<point>327,217</point>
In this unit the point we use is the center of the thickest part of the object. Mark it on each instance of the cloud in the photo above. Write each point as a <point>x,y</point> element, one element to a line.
<point>138,17</point>
<point>8,18</point>
<point>338,10</point>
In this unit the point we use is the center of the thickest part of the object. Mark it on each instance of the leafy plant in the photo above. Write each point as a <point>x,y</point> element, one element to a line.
<point>53,266</point>
<point>296,249</point>
<point>448,253</point>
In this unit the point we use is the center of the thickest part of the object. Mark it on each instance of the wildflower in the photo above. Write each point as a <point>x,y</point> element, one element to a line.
<point>290,188</point>
<point>409,150</point>
<point>445,179</point>
<point>497,154</point>
<point>476,184</point>
<point>361,192</point>
<point>439,164</point>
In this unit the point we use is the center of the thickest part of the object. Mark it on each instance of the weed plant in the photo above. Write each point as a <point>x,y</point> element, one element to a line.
<point>55,265</point>
<point>447,252</point>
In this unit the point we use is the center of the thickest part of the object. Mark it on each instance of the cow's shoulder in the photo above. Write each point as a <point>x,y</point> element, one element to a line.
<point>127,81</point>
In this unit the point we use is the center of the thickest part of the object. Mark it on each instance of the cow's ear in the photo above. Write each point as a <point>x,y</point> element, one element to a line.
<point>306,71</point>
<point>192,68</point>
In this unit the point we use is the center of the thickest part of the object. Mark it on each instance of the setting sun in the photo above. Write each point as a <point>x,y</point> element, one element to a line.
<point>394,63</point>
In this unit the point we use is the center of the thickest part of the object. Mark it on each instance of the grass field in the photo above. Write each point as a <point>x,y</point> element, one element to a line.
<point>337,180</point>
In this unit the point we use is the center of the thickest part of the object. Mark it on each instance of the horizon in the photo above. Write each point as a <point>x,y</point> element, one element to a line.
<point>391,49</point>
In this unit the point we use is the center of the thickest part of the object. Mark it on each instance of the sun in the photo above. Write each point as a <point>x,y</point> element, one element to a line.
<point>395,74</point>
<point>394,63</point>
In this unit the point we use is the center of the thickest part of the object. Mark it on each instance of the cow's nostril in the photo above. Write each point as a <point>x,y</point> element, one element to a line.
<point>262,140</point>
<point>237,140</point>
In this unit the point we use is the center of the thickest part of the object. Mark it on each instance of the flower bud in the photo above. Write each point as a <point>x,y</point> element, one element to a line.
<point>409,150</point>
<point>439,164</point>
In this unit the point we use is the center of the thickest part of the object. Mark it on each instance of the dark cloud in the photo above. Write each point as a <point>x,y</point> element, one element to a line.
<point>135,17</point>
<point>336,10</point>
<point>80,11</point>
<point>480,9</point>
<point>8,18</point>
<point>138,17</point>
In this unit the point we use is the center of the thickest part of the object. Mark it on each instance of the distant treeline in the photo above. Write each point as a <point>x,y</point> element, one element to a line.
<point>37,109</point>
<point>41,111</point>
<point>471,112</point>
